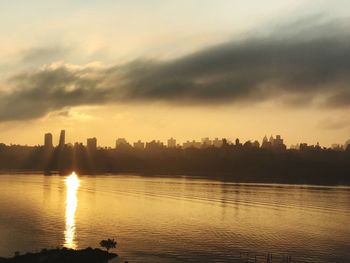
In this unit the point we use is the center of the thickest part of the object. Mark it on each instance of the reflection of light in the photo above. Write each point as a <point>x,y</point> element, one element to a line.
<point>72,183</point>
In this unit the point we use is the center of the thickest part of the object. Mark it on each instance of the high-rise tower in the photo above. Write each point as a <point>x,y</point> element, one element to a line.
<point>62,138</point>
<point>48,141</point>
<point>91,144</point>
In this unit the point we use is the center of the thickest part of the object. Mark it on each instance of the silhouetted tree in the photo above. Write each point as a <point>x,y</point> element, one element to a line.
<point>108,244</point>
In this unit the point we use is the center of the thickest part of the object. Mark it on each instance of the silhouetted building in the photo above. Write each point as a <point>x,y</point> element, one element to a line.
<point>303,147</point>
<point>154,145</point>
<point>278,140</point>
<point>265,139</point>
<point>121,142</point>
<point>78,145</point>
<point>273,143</point>
<point>238,142</point>
<point>278,143</point>
<point>171,143</point>
<point>256,144</point>
<point>248,144</point>
<point>347,148</point>
<point>91,144</point>
<point>48,141</point>
<point>206,142</point>
<point>294,147</point>
<point>186,145</point>
<point>306,147</point>
<point>62,140</point>
<point>337,147</point>
<point>346,144</point>
<point>191,144</point>
<point>217,143</point>
<point>139,145</point>
<point>265,143</point>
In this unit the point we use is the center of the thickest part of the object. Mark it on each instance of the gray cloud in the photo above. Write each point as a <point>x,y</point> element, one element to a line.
<point>43,55</point>
<point>297,65</point>
<point>36,94</point>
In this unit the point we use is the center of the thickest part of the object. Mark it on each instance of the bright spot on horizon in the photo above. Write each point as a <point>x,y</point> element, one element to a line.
<point>72,184</point>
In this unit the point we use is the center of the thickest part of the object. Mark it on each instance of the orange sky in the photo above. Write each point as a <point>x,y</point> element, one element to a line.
<point>159,70</point>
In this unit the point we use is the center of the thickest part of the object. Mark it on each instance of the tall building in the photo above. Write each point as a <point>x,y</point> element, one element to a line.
<point>91,144</point>
<point>48,141</point>
<point>171,143</point>
<point>266,144</point>
<point>278,141</point>
<point>62,141</point>
<point>237,142</point>
<point>265,140</point>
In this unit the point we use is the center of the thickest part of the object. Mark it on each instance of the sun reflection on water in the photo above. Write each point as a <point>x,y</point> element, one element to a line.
<point>72,184</point>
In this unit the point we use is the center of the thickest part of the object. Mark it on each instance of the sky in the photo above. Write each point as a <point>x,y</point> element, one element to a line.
<point>186,69</point>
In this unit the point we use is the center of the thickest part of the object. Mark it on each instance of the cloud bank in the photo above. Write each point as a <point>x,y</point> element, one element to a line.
<point>297,65</point>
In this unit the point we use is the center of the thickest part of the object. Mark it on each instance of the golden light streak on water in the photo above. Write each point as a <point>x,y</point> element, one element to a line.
<point>72,184</point>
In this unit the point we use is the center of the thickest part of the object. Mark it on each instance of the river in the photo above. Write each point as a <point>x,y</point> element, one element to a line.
<point>174,219</point>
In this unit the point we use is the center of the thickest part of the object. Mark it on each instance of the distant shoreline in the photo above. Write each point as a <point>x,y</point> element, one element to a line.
<point>234,163</point>
<point>211,177</point>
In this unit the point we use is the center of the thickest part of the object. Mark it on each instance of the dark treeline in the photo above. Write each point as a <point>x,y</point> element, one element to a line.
<point>241,163</point>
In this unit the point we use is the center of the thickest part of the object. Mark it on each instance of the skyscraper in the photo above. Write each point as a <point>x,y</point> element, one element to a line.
<point>62,138</point>
<point>48,141</point>
<point>91,144</point>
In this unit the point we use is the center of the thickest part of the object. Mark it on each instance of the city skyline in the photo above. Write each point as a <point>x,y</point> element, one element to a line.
<point>92,142</point>
<point>110,142</point>
<point>248,161</point>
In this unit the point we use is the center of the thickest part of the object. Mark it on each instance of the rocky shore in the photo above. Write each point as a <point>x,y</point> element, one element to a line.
<point>63,255</point>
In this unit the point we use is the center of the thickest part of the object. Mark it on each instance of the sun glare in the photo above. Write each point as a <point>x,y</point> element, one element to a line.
<point>72,184</point>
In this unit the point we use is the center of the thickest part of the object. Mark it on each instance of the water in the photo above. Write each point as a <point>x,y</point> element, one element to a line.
<point>157,219</point>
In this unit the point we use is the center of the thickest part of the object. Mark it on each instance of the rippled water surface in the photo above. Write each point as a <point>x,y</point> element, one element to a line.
<point>157,219</point>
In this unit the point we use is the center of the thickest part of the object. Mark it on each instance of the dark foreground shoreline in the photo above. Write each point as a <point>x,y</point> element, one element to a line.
<point>63,255</point>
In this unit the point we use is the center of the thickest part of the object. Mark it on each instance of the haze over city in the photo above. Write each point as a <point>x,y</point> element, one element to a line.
<point>184,69</point>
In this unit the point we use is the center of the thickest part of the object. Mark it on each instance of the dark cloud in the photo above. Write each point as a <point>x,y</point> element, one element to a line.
<point>297,65</point>
<point>36,94</point>
<point>341,98</point>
